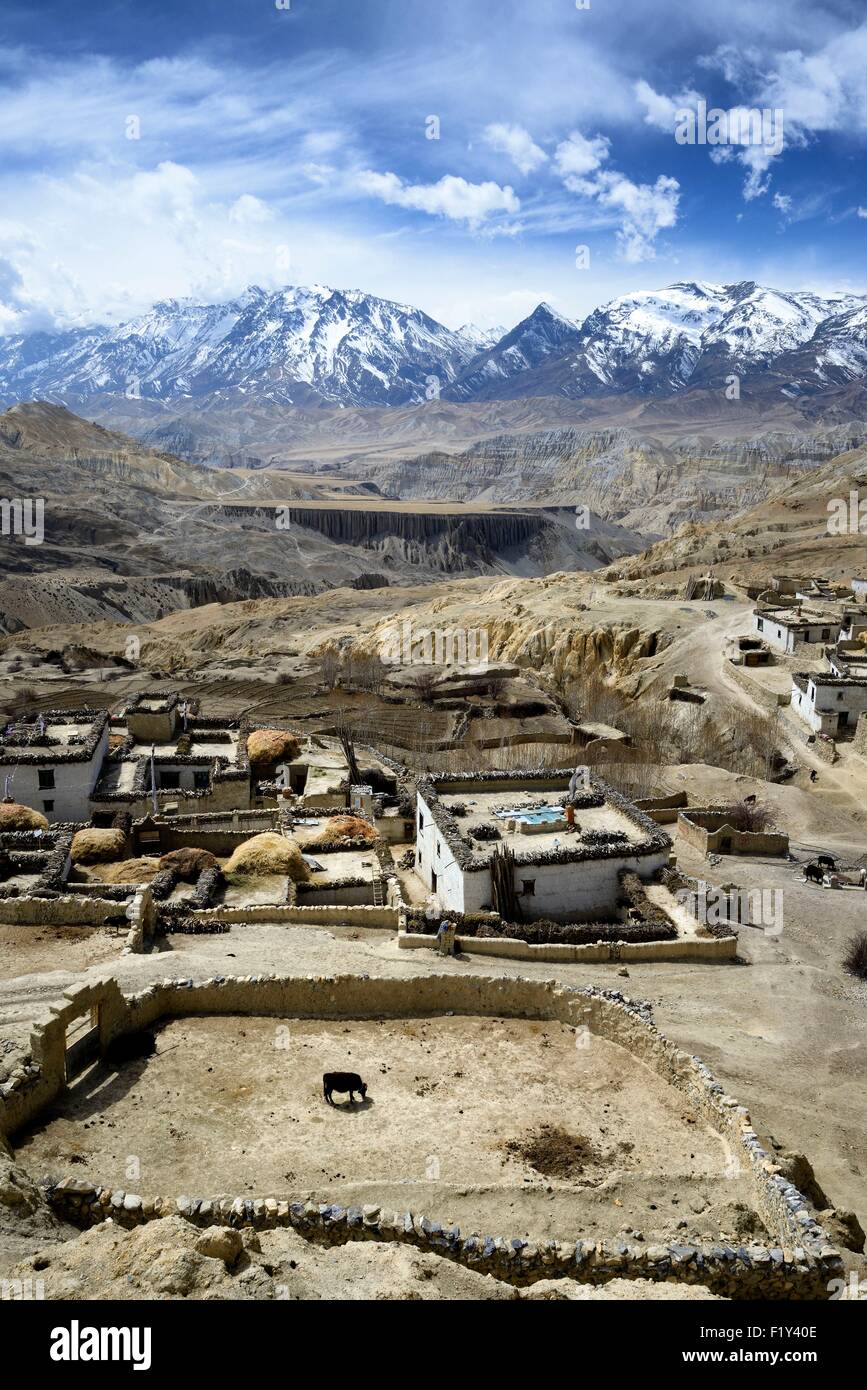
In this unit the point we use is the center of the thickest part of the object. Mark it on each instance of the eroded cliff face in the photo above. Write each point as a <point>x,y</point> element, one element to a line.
<point>542,626</point>
<point>650,485</point>
<point>483,531</point>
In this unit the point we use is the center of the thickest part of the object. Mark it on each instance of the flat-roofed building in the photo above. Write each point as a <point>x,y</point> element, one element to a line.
<point>784,628</point>
<point>52,761</point>
<point>829,703</point>
<point>566,865</point>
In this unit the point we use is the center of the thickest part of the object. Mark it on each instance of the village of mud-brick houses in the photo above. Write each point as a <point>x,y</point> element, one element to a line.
<point>161,822</point>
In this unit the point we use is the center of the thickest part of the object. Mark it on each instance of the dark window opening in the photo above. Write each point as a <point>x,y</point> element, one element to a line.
<point>46,778</point>
<point>528,886</point>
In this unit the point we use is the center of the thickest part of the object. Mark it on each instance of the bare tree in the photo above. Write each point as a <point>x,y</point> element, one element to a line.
<point>329,667</point>
<point>424,683</point>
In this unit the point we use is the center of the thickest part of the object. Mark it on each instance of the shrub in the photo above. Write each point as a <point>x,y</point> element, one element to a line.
<point>423,684</point>
<point>855,959</point>
<point>751,816</point>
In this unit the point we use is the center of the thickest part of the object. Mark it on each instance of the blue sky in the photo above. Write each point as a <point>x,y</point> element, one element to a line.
<point>154,150</point>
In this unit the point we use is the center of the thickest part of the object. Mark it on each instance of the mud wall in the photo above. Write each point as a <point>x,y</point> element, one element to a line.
<point>602,952</point>
<point>708,829</point>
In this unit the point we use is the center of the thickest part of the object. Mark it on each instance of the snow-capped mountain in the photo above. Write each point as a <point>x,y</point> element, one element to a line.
<point>302,346</point>
<point>479,339</point>
<point>660,342</point>
<point>540,336</point>
<point>314,346</point>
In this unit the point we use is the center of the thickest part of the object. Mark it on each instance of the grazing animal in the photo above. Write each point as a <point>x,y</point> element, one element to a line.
<point>814,873</point>
<point>826,861</point>
<point>342,1081</point>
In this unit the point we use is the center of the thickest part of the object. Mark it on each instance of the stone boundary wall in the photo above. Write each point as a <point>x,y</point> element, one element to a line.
<point>84,911</point>
<point>142,915</point>
<point>752,1272</point>
<point>799,1266</point>
<point>825,748</point>
<point>693,826</point>
<point>349,915</point>
<point>663,809</point>
<point>64,911</point>
<point>772,700</point>
<point>596,953</point>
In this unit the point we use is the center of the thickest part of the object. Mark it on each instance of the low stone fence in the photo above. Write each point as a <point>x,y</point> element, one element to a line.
<point>772,700</point>
<point>595,953</point>
<point>663,809</point>
<point>136,907</point>
<point>798,1264</point>
<point>739,1272</point>
<point>351,915</point>
<point>142,915</point>
<point>61,911</point>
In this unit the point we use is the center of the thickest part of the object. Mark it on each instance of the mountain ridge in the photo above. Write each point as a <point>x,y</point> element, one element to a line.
<point>314,346</point>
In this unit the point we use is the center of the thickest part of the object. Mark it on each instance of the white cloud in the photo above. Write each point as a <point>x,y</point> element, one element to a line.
<point>757,159</point>
<point>782,202</point>
<point>647,209</point>
<point>659,110</point>
<point>576,157</point>
<point>452,197</point>
<point>115,241</point>
<point>643,210</point>
<point>248,210</point>
<point>517,143</point>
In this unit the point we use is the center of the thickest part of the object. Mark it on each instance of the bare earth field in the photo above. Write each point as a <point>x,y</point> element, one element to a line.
<point>234,1105</point>
<point>26,950</point>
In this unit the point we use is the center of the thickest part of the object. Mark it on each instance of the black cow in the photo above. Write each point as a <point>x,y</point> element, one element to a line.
<point>826,861</point>
<point>342,1081</point>
<point>813,873</point>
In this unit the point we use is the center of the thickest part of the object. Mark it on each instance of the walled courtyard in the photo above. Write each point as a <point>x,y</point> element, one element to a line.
<point>234,1104</point>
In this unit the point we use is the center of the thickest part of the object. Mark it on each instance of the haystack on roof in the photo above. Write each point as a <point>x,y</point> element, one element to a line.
<point>268,853</point>
<point>343,830</point>
<point>94,846</point>
<point>16,817</point>
<point>268,746</point>
<point>188,862</point>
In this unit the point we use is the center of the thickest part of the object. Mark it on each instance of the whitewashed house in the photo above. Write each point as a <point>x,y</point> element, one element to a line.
<point>51,761</point>
<point>829,703</point>
<point>561,871</point>
<point>783,628</point>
